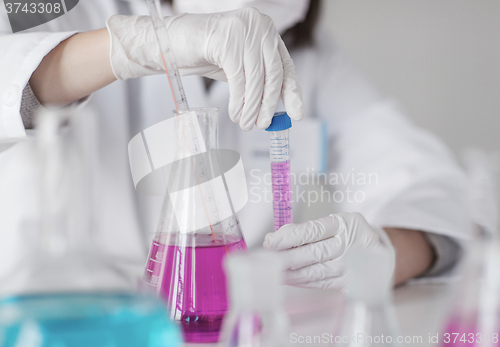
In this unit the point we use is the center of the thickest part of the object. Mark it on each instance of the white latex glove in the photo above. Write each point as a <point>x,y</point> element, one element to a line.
<point>315,251</point>
<point>241,47</point>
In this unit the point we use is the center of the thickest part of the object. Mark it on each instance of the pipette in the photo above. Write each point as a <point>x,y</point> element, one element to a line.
<point>187,124</point>
<point>280,168</point>
<point>167,55</point>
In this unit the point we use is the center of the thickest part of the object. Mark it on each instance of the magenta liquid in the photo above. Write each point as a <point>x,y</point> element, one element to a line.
<point>282,194</point>
<point>193,282</point>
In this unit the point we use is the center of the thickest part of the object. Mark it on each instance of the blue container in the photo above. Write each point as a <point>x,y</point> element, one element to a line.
<point>86,320</point>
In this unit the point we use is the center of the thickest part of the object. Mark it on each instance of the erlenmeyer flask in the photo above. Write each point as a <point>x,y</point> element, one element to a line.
<point>198,227</point>
<point>257,317</point>
<point>474,319</point>
<point>66,258</point>
<point>368,317</point>
<point>66,293</point>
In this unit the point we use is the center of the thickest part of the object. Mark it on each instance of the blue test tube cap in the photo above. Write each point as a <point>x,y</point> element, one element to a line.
<point>281,121</point>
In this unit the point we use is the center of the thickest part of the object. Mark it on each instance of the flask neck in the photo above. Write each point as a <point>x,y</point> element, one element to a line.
<point>197,200</point>
<point>65,187</point>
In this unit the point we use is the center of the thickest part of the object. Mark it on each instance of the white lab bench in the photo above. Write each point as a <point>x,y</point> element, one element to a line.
<point>419,307</point>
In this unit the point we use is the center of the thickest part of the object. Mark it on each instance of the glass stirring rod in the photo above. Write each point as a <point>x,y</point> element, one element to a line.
<point>167,55</point>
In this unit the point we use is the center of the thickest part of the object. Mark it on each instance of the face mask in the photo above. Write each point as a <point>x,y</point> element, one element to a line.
<point>284,13</point>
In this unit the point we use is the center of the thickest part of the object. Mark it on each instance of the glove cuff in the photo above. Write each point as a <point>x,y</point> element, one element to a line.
<point>386,242</point>
<point>115,49</point>
<point>134,50</point>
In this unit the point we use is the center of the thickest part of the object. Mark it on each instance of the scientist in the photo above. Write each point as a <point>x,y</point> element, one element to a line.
<point>416,211</point>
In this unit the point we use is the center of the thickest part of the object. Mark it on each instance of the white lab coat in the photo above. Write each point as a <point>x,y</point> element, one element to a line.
<point>415,182</point>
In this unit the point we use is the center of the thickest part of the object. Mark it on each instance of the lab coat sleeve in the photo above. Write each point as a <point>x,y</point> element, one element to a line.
<point>448,252</point>
<point>404,177</point>
<point>30,105</point>
<point>385,167</point>
<point>413,180</point>
<point>19,57</point>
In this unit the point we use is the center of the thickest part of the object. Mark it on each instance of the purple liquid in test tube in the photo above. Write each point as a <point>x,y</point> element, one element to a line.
<point>280,169</point>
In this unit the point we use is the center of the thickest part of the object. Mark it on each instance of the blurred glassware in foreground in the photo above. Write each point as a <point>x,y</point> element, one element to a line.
<point>368,317</point>
<point>198,227</point>
<point>474,318</point>
<point>67,293</point>
<point>257,316</point>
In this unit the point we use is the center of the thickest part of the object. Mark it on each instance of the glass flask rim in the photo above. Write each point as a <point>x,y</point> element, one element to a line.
<point>206,109</point>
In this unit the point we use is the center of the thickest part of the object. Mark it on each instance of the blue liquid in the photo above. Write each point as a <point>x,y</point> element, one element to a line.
<point>86,320</point>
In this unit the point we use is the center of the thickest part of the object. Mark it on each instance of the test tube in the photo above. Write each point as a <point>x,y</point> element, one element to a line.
<point>280,168</point>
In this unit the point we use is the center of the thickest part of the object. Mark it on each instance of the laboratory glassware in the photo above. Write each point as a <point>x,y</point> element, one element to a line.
<point>257,316</point>
<point>66,293</point>
<point>280,168</point>
<point>167,55</point>
<point>474,318</point>
<point>368,317</point>
<point>197,229</point>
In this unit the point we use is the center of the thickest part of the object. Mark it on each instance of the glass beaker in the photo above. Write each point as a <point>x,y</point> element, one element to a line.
<point>197,229</point>
<point>66,293</point>
<point>368,317</point>
<point>257,316</point>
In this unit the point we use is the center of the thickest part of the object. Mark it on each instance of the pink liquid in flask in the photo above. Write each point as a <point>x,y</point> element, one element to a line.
<point>193,282</point>
<point>282,199</point>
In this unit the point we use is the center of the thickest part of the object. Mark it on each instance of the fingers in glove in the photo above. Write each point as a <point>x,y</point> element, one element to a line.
<point>316,272</point>
<point>314,253</point>
<point>235,73</point>
<point>294,235</point>
<point>291,92</point>
<point>273,81</point>
<point>254,85</point>
<point>327,283</point>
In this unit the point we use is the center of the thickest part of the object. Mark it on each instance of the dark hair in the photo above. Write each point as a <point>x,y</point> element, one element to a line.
<point>302,33</point>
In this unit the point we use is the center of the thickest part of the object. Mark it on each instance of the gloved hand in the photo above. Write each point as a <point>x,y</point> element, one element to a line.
<point>241,47</point>
<point>315,251</point>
